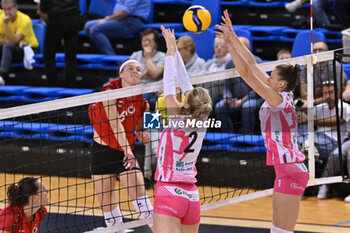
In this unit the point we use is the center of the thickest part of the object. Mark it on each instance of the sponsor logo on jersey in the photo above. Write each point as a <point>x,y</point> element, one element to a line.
<point>190,195</point>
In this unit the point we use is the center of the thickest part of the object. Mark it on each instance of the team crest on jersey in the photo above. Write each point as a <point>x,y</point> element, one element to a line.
<point>151,120</point>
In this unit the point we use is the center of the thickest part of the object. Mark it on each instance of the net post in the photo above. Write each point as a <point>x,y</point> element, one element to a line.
<point>310,113</point>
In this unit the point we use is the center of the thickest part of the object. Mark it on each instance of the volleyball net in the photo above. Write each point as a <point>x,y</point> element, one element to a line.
<point>52,141</point>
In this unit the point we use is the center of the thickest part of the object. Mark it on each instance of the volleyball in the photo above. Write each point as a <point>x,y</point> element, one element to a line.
<point>196,19</point>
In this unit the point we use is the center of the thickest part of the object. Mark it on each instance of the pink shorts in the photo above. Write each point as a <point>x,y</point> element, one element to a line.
<point>291,178</point>
<point>178,200</point>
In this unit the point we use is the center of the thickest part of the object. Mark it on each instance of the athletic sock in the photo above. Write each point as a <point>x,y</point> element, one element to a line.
<point>113,217</point>
<point>278,230</point>
<point>144,207</point>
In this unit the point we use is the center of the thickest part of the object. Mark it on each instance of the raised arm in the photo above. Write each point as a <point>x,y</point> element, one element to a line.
<point>173,106</point>
<point>245,63</point>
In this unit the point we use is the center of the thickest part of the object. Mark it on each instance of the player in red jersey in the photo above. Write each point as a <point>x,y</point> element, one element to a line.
<point>115,122</point>
<point>27,201</point>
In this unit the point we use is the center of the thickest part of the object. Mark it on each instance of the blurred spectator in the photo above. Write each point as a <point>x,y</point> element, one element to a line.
<point>323,71</point>
<point>217,63</point>
<point>43,16</point>
<point>62,23</point>
<point>238,97</point>
<point>152,65</point>
<point>221,56</point>
<point>284,54</point>
<point>340,9</point>
<point>128,18</point>
<point>151,61</point>
<point>325,119</point>
<point>187,49</point>
<point>333,169</point>
<point>16,31</point>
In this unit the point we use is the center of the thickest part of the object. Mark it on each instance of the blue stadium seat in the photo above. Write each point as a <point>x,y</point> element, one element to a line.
<point>8,125</point>
<point>39,31</point>
<point>98,66</point>
<point>12,90</point>
<point>101,7</point>
<point>179,2</point>
<point>204,43</point>
<point>331,36</point>
<point>247,140</point>
<point>178,27</point>
<point>266,33</point>
<point>83,6</point>
<point>214,7</point>
<point>256,3</point>
<point>302,42</point>
<point>43,91</point>
<point>114,59</point>
<point>346,68</point>
<point>219,137</point>
<point>289,34</point>
<point>234,3</point>
<point>11,93</point>
<point>67,92</point>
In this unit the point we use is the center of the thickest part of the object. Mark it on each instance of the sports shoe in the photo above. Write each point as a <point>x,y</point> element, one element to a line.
<point>347,199</point>
<point>2,82</point>
<point>323,192</point>
<point>293,6</point>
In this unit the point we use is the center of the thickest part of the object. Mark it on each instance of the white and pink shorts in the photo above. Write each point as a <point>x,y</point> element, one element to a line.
<point>291,178</point>
<point>178,200</point>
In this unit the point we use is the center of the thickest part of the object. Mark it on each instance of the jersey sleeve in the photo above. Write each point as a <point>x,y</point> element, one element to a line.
<point>286,99</point>
<point>111,85</point>
<point>42,212</point>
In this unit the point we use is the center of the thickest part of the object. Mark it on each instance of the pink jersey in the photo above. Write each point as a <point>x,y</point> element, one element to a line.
<point>279,129</point>
<point>177,153</point>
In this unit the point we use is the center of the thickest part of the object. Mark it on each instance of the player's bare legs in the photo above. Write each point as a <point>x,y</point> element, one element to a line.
<point>285,210</point>
<point>105,191</point>
<point>190,228</point>
<point>133,180</point>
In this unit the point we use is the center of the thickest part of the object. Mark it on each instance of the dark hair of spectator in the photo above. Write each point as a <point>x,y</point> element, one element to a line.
<point>148,31</point>
<point>290,74</point>
<point>18,194</point>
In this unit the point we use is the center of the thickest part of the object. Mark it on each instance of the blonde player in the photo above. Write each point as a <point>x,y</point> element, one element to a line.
<point>176,203</point>
<point>278,127</point>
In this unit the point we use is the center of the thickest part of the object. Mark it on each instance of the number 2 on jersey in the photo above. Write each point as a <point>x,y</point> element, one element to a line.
<point>194,136</point>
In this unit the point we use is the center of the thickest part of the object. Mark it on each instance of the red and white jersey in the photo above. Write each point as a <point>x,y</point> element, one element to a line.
<point>177,153</point>
<point>279,129</point>
<point>14,220</point>
<point>130,110</point>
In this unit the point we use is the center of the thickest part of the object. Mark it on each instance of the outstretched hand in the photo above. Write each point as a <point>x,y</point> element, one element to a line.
<point>226,31</point>
<point>170,40</point>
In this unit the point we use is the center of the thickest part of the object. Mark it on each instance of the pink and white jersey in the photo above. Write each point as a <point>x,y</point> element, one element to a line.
<point>177,153</point>
<point>279,129</point>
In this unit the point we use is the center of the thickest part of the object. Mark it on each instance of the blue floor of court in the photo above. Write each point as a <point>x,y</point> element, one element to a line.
<point>61,223</point>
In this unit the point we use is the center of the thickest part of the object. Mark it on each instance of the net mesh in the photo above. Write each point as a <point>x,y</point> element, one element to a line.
<point>53,142</point>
